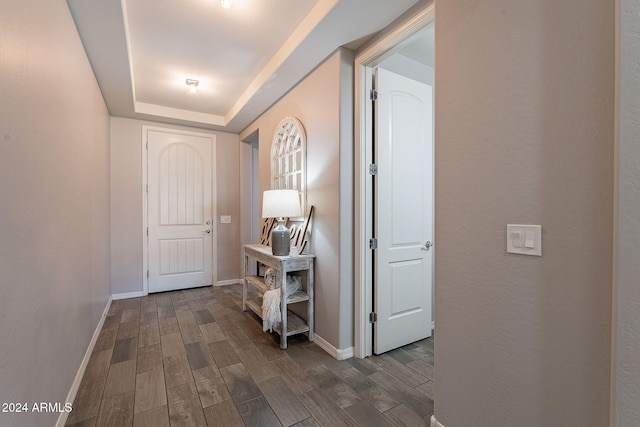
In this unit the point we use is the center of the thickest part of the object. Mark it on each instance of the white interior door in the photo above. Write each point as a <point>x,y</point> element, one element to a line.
<point>180,222</point>
<point>403,211</point>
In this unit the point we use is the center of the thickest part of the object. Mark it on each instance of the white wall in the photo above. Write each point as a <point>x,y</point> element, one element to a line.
<point>126,203</point>
<point>626,373</point>
<point>524,134</point>
<point>323,103</point>
<point>54,214</point>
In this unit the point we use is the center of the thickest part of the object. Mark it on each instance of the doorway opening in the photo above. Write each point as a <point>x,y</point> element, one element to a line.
<point>406,51</point>
<point>250,217</point>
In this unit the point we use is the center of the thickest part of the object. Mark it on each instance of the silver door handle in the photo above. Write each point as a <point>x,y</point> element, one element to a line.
<point>427,245</point>
<point>208,231</point>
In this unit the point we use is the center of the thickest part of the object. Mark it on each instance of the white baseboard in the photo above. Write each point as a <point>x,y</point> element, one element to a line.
<point>434,422</point>
<point>228,282</point>
<point>127,295</point>
<point>75,385</point>
<point>142,294</point>
<point>338,354</point>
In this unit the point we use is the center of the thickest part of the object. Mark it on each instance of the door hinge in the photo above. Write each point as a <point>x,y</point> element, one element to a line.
<point>373,317</point>
<point>373,243</point>
<point>147,188</point>
<point>373,169</point>
<point>147,273</point>
<point>147,231</point>
<point>147,144</point>
<point>373,95</point>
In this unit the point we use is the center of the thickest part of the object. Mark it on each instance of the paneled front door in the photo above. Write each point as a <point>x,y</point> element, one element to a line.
<point>180,223</point>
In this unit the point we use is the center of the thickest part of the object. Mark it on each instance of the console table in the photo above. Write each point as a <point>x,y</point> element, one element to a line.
<point>291,323</point>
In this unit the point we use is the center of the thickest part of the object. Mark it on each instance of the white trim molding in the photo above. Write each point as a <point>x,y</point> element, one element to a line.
<point>228,282</point>
<point>75,385</point>
<point>338,354</point>
<point>127,295</point>
<point>435,423</point>
<point>145,248</point>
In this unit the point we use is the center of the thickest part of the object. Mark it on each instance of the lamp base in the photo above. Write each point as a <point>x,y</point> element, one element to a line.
<point>280,239</point>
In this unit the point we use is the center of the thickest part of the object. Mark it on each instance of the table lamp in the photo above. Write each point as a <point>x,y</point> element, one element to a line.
<point>280,204</point>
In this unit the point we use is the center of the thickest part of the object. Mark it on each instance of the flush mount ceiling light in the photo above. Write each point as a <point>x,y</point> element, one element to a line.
<point>226,4</point>
<point>193,85</point>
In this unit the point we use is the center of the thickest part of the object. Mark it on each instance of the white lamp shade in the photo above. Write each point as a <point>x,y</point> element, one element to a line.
<point>280,203</point>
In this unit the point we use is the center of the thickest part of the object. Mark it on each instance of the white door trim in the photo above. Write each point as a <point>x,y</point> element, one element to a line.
<point>365,61</point>
<point>214,211</point>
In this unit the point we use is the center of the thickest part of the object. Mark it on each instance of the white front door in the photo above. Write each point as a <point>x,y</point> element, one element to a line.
<point>179,211</point>
<point>403,277</point>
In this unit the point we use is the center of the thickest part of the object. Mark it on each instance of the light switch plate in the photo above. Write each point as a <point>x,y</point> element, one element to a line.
<point>225,219</point>
<point>532,239</point>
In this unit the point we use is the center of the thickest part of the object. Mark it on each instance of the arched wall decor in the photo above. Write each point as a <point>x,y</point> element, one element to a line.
<point>289,159</point>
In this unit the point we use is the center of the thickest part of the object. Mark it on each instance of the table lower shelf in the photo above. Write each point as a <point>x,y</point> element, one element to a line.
<point>295,324</point>
<point>258,282</point>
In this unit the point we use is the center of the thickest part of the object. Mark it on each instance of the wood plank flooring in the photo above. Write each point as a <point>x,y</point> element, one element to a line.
<point>194,358</point>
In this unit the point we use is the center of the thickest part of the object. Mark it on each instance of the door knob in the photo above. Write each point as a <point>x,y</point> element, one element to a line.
<point>208,231</point>
<point>208,222</point>
<point>427,245</point>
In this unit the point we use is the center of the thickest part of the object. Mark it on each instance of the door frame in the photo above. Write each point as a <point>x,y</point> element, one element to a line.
<point>249,194</point>
<point>145,208</point>
<point>365,62</point>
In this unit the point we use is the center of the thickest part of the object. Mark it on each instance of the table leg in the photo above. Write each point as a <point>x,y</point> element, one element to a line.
<point>244,282</point>
<point>283,308</point>
<point>310,307</point>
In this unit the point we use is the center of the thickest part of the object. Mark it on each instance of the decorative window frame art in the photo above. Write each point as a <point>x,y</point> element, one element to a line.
<point>289,159</point>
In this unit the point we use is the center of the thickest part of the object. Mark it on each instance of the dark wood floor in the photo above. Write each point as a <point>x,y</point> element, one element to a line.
<point>194,358</point>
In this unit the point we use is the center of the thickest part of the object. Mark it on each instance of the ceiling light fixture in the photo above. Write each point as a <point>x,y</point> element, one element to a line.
<point>193,85</point>
<point>225,4</point>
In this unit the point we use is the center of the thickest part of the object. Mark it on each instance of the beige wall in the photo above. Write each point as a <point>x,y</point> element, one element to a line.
<point>322,102</point>
<point>626,372</point>
<point>126,203</point>
<point>524,134</point>
<point>54,214</point>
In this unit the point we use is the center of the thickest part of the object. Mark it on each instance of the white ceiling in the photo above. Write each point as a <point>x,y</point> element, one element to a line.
<point>245,58</point>
<point>421,47</point>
